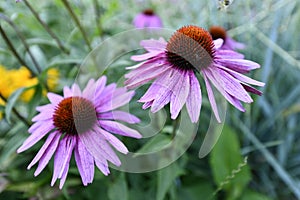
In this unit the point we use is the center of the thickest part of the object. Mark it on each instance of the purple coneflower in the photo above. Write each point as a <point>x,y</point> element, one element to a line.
<point>228,43</point>
<point>81,121</point>
<point>173,65</point>
<point>147,19</point>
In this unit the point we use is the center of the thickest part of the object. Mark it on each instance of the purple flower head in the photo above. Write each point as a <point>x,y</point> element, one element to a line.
<point>173,66</point>
<point>81,122</point>
<point>147,19</point>
<point>228,43</point>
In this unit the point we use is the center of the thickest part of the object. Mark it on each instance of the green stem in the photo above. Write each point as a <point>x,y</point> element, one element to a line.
<point>97,16</point>
<point>77,22</point>
<point>16,112</point>
<point>175,125</point>
<point>23,40</point>
<point>13,50</point>
<point>46,27</point>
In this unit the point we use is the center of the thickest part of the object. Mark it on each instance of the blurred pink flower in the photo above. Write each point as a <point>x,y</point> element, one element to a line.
<point>229,43</point>
<point>147,19</point>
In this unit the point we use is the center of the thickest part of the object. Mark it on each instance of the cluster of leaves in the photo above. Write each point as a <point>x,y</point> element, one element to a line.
<point>257,155</point>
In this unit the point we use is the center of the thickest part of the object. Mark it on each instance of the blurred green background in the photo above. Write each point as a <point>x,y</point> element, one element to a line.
<point>258,153</point>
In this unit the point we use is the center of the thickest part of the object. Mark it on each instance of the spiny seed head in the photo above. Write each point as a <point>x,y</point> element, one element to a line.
<point>149,12</point>
<point>217,32</point>
<point>190,47</point>
<point>74,115</point>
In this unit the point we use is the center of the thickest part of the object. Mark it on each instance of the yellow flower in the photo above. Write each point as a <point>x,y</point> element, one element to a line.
<point>52,78</point>
<point>15,79</point>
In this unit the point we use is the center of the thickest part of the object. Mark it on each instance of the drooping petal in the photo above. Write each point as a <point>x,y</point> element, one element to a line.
<point>85,163</point>
<point>99,148</point>
<point>251,89</point>
<point>211,97</point>
<point>224,81</point>
<point>51,143</point>
<point>242,77</point>
<point>238,65</point>
<point>103,167</point>
<point>114,141</point>
<point>119,115</point>
<point>180,93</point>
<point>36,136</point>
<point>194,99</point>
<point>118,128</point>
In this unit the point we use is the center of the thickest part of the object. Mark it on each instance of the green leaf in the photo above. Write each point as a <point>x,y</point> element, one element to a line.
<point>118,189</point>
<point>156,143</point>
<point>229,169</point>
<point>165,178</point>
<point>11,101</point>
<point>250,195</point>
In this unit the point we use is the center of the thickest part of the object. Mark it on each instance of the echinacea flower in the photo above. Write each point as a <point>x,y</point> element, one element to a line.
<point>81,121</point>
<point>228,43</point>
<point>147,19</point>
<point>174,64</point>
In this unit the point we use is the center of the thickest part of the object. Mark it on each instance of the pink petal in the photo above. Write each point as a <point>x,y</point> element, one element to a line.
<point>45,154</point>
<point>99,148</point>
<point>89,90</point>
<point>116,102</point>
<point>211,97</point>
<point>67,92</point>
<point>85,163</point>
<point>222,54</point>
<point>54,98</point>
<point>218,43</point>
<point>43,116</point>
<point>103,167</point>
<point>180,93</point>
<point>50,142</point>
<point>36,136</point>
<point>153,45</point>
<point>238,65</point>
<point>194,99</point>
<point>119,115</point>
<point>118,128</point>
<point>114,141</point>
<point>46,107</point>
<point>76,90</point>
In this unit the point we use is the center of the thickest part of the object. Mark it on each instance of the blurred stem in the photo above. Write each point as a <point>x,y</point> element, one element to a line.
<point>175,125</point>
<point>46,27</point>
<point>16,112</point>
<point>12,48</point>
<point>285,177</point>
<point>97,16</point>
<point>23,40</point>
<point>77,22</point>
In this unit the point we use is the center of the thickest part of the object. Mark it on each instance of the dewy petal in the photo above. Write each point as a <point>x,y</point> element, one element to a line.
<point>54,98</point>
<point>211,96</point>
<point>49,142</point>
<point>85,163</point>
<point>180,93</point>
<point>99,148</point>
<point>194,99</point>
<point>118,128</point>
<point>47,155</point>
<point>119,115</point>
<point>35,137</point>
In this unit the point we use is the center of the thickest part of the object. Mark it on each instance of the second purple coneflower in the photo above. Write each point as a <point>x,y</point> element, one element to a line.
<point>147,19</point>
<point>174,64</point>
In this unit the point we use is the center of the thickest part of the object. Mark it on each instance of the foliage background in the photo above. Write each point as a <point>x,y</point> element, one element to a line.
<point>258,154</point>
